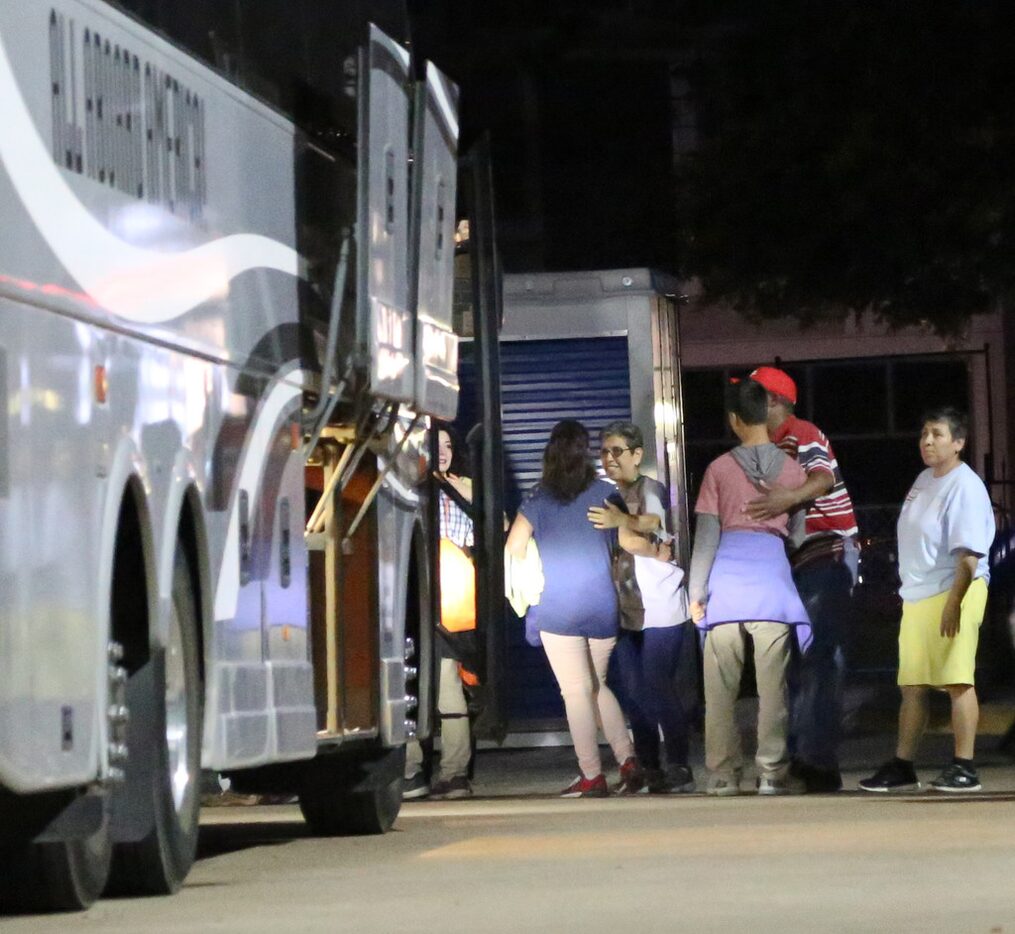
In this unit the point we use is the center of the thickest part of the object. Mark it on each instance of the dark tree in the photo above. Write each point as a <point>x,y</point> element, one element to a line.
<point>854,155</point>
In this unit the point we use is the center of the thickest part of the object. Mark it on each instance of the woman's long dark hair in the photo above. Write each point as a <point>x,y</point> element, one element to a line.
<point>567,467</point>
<point>459,465</point>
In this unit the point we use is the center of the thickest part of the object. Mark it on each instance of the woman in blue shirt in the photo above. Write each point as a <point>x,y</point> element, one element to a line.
<point>576,619</point>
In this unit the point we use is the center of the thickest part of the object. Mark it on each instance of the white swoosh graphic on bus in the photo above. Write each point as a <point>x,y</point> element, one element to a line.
<point>143,286</point>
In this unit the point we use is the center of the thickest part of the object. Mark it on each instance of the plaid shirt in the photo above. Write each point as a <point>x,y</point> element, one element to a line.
<point>455,524</point>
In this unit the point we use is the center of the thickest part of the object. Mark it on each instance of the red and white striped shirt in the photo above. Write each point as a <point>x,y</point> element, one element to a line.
<point>831,514</point>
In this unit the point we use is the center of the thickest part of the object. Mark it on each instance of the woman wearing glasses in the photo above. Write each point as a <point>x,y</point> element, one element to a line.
<point>576,617</point>
<point>653,610</point>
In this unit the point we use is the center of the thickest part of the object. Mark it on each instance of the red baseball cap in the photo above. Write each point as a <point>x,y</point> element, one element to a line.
<point>775,381</point>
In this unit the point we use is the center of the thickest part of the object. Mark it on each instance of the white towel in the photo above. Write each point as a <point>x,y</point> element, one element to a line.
<point>523,579</point>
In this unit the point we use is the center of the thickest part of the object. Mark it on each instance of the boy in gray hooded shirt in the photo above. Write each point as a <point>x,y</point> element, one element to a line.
<point>740,585</point>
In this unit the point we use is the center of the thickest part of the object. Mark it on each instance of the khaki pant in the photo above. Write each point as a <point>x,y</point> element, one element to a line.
<point>724,664</point>
<point>454,715</point>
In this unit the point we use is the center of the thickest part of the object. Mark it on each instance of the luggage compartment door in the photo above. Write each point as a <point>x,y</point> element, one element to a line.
<point>435,169</point>
<point>386,333</point>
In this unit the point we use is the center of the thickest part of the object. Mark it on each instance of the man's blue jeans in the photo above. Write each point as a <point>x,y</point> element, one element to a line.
<point>825,586</point>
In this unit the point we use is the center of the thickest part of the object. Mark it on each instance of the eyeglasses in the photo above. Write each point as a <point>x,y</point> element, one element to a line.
<point>615,451</point>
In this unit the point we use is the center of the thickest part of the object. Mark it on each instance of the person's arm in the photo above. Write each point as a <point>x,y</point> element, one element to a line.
<point>796,529</point>
<point>706,542</point>
<point>610,516</point>
<point>965,570</point>
<point>779,499</point>
<point>636,544</point>
<point>518,537</point>
<point>462,485</point>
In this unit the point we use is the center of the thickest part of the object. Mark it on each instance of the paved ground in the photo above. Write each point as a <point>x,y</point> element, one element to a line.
<point>516,858</point>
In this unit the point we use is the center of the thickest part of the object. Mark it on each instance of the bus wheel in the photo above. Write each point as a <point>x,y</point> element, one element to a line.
<point>158,863</point>
<point>64,875</point>
<point>348,798</point>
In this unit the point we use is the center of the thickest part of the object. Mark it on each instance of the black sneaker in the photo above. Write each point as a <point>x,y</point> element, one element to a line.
<point>415,787</point>
<point>816,780</point>
<point>957,777</point>
<point>892,777</point>
<point>655,782</point>
<point>676,780</point>
<point>455,787</point>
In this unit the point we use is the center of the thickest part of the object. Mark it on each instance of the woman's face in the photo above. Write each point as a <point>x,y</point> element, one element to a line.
<point>619,461</point>
<point>938,448</point>
<point>444,451</point>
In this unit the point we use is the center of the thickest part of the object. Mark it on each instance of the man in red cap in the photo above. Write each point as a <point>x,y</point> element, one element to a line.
<point>825,570</point>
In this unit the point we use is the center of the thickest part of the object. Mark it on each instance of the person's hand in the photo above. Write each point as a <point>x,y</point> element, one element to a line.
<point>777,500</point>
<point>462,485</point>
<point>950,616</point>
<point>697,610</point>
<point>664,551</point>
<point>607,516</point>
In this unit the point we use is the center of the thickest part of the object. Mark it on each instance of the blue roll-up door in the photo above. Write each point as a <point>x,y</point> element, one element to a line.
<point>542,382</point>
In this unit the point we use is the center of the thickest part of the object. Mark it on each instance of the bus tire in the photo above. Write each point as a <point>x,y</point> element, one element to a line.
<point>159,862</point>
<point>65,875</point>
<point>353,798</point>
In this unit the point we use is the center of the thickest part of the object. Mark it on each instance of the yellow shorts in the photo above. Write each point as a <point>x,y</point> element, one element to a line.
<point>927,657</point>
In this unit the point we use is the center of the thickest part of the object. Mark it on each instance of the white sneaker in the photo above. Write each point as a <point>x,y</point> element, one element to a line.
<point>787,785</point>
<point>724,786</point>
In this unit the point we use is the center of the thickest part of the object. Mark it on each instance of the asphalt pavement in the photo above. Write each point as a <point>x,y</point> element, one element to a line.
<point>515,857</point>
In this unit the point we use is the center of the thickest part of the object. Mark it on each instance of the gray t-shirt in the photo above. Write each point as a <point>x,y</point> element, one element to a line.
<point>940,516</point>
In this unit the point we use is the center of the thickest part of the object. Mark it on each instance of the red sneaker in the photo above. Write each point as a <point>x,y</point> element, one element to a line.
<point>632,778</point>
<point>583,787</point>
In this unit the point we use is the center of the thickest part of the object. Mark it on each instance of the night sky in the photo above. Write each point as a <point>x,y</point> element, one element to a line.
<point>576,98</point>
<point>798,157</point>
<point>802,158</point>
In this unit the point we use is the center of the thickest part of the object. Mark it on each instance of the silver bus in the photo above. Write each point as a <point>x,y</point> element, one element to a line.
<point>225,325</point>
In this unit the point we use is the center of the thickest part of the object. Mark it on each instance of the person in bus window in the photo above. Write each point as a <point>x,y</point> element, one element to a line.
<point>456,526</point>
<point>653,610</point>
<point>576,617</point>
<point>945,531</point>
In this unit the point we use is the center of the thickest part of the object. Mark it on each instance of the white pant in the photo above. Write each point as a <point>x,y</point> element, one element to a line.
<point>579,665</point>
<point>453,710</point>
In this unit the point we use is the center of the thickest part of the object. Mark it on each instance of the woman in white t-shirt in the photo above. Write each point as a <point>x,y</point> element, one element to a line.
<point>945,531</point>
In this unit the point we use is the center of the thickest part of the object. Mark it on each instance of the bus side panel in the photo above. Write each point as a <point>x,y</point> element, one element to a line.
<point>50,638</point>
<point>258,659</point>
<point>69,458</point>
<point>286,641</point>
<point>194,255</point>
<point>399,506</point>
<point>197,250</point>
